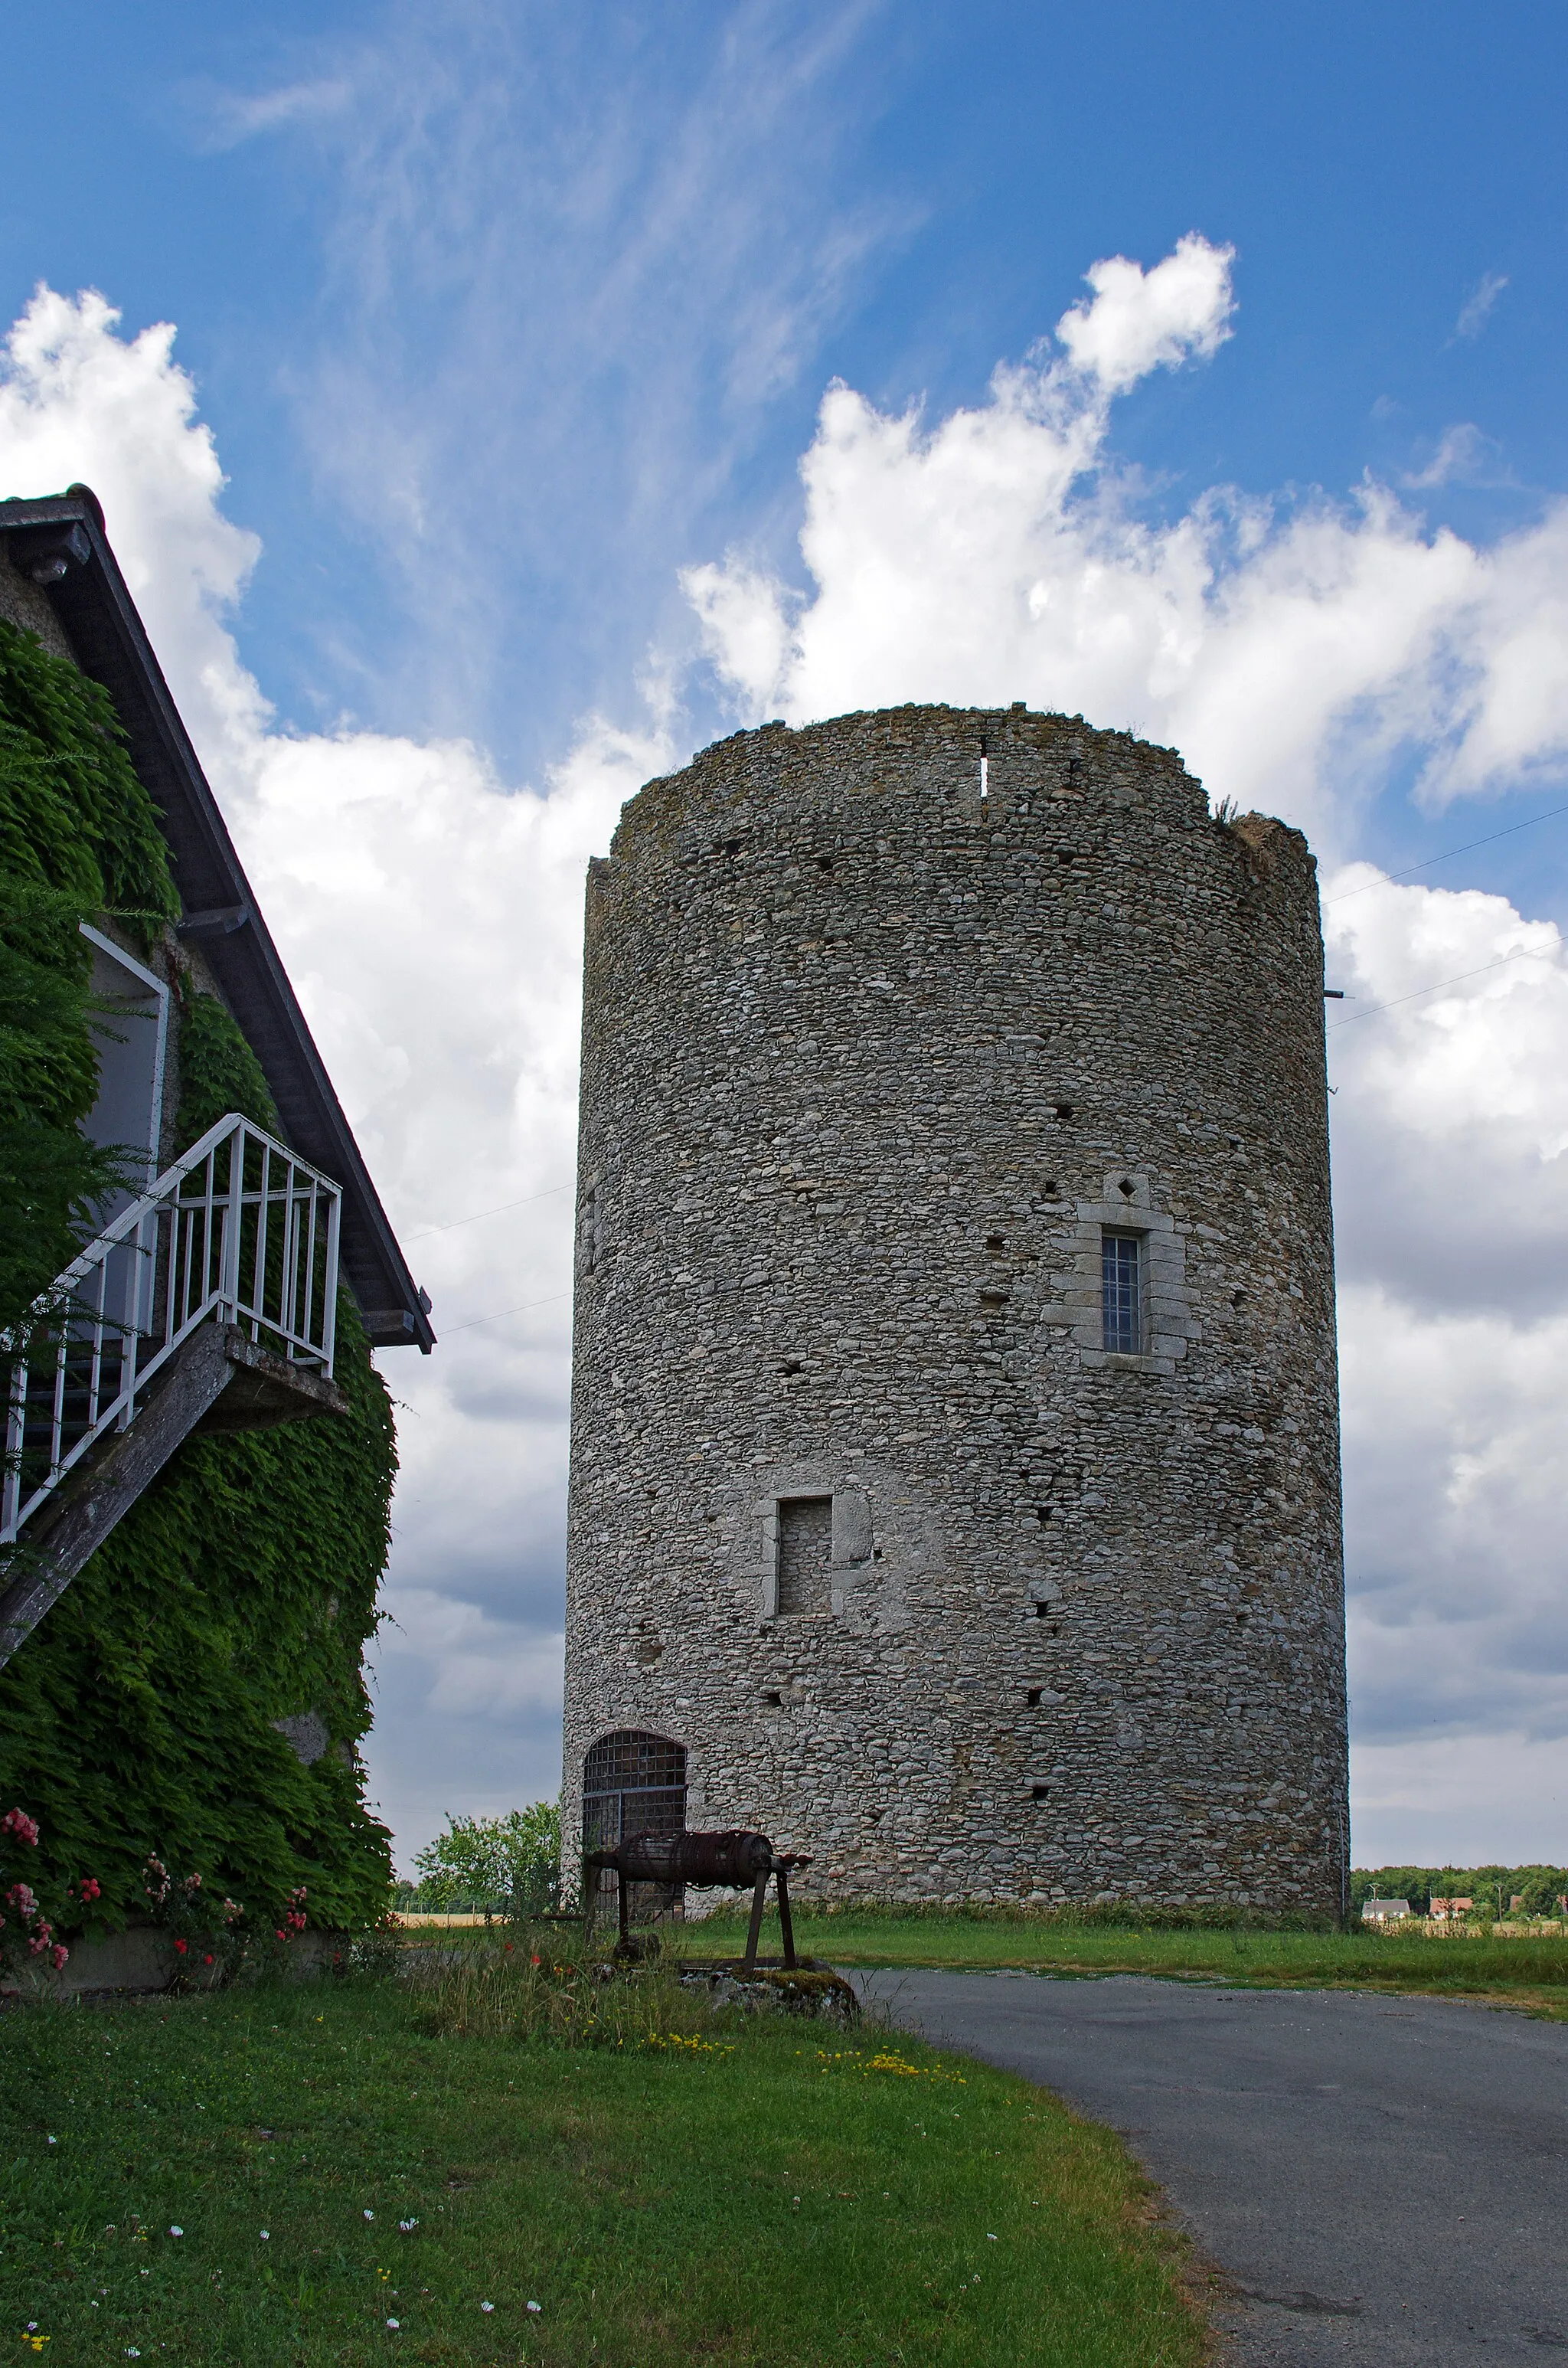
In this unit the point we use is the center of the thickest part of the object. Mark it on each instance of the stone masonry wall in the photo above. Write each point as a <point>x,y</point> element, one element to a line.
<point>871,1056</point>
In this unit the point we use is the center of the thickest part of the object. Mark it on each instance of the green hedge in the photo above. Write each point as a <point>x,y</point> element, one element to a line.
<point>241,1588</point>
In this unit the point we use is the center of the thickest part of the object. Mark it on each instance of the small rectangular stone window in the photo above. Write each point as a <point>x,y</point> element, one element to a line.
<point>1121,1292</point>
<point>805,1554</point>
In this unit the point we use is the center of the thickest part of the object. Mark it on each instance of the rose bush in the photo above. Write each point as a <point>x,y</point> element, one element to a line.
<point>29,1932</point>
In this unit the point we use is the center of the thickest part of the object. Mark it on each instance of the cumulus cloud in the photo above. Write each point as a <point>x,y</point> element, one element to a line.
<point>1298,650</point>
<point>1290,648</point>
<point>1451,1127</point>
<point>81,404</point>
<point>1140,321</point>
<point>1447,1056</point>
<point>430,917</point>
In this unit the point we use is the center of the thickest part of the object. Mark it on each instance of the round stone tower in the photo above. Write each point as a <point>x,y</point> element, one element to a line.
<point>955,1465</point>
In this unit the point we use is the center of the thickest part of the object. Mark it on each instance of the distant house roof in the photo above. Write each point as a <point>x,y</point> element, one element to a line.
<point>60,544</point>
<point>1384,1911</point>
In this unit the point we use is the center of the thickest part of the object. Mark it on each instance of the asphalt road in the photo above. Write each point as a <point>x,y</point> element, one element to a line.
<point>1385,2180</point>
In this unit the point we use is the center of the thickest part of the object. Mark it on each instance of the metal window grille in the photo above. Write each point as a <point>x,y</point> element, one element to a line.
<point>237,1230</point>
<point>634,1783</point>
<point>1121,1294</point>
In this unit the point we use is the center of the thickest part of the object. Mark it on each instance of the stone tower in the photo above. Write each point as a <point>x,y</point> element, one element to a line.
<point>955,1464</point>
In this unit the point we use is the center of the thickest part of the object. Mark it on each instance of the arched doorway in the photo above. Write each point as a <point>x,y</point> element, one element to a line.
<point>634,1783</point>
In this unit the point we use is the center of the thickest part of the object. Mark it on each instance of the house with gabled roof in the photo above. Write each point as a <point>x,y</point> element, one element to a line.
<point>198,1448</point>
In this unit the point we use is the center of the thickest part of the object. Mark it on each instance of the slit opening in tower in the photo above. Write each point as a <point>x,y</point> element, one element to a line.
<point>634,1783</point>
<point>984,768</point>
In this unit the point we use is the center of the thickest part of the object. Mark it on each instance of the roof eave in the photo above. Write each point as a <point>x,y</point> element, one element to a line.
<point>99,618</point>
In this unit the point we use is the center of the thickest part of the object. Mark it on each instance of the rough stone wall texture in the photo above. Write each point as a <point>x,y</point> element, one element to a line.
<point>870,1060</point>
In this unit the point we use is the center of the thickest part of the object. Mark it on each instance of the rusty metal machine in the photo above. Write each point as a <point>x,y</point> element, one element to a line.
<point>729,1859</point>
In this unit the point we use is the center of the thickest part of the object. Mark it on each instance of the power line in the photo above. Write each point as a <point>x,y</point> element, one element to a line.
<point>499,1211</point>
<point>1525,953</point>
<point>1468,846</point>
<point>448,1329</point>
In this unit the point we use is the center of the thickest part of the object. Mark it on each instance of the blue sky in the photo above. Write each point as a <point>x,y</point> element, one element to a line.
<point>912,194</point>
<point>502,320</point>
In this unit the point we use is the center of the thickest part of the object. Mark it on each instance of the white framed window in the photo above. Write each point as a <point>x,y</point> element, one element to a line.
<point>1123,1261</point>
<point>131,1026</point>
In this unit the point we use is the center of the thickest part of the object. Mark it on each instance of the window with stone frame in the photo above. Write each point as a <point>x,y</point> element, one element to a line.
<point>1122,1263</point>
<point>805,1554</point>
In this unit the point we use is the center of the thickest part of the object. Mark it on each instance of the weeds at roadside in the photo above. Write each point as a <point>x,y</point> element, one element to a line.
<point>549,1986</point>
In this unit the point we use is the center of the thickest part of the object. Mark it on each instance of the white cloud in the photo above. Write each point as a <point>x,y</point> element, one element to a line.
<point>80,405</point>
<point>1290,649</point>
<point>1140,321</point>
<point>483,1665</point>
<point>1476,309</point>
<point>224,118</point>
<point>565,278</point>
<point>429,913</point>
<point>1462,456</point>
<point>1451,1147</point>
<point>1450,1101</point>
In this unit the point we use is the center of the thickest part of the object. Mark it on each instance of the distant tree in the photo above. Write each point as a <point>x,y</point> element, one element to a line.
<point>507,1866</point>
<point>1538,1888</point>
<point>1541,1888</point>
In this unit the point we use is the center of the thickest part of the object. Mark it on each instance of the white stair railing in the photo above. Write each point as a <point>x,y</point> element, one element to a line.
<point>238,1231</point>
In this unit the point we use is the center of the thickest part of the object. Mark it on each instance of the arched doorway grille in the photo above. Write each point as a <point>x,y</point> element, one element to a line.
<point>634,1783</point>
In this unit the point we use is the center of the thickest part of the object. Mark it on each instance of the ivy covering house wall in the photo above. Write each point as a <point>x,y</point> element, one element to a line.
<point>78,834</point>
<point>241,1588</point>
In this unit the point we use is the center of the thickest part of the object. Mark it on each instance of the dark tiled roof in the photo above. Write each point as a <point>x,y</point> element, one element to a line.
<point>62,542</point>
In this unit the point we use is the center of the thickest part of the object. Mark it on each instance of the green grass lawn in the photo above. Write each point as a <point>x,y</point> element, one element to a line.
<point>780,2195</point>
<point>1528,1971</point>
